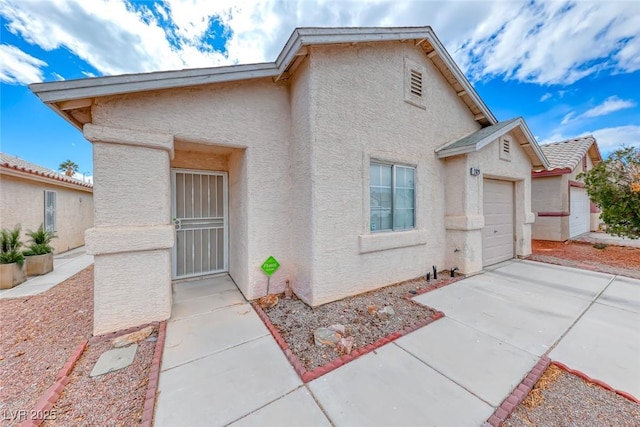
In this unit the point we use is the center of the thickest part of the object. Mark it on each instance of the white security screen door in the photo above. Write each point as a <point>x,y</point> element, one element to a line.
<point>199,212</point>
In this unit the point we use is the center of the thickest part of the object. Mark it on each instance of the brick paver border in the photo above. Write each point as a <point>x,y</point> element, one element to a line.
<point>42,409</point>
<point>518,395</point>
<point>308,376</point>
<point>154,376</point>
<point>44,404</point>
<point>588,379</point>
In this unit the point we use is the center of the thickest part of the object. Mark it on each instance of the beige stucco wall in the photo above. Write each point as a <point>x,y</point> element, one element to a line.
<point>132,237</point>
<point>298,161</point>
<point>551,194</point>
<point>358,115</point>
<point>464,201</point>
<point>252,116</point>
<point>22,202</point>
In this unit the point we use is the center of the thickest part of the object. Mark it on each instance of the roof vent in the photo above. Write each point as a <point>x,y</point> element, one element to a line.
<point>414,89</point>
<point>416,83</point>
<point>505,148</point>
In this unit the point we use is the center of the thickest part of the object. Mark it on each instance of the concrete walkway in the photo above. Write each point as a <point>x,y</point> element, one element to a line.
<point>65,265</point>
<point>221,366</point>
<point>608,239</point>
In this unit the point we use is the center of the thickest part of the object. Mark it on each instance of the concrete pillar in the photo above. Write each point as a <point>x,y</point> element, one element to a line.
<point>463,219</point>
<point>133,234</point>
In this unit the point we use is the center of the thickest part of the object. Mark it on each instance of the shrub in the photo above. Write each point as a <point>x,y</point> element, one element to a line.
<point>10,246</point>
<point>39,241</point>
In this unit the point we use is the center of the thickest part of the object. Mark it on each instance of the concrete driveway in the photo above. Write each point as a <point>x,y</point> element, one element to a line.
<point>222,367</point>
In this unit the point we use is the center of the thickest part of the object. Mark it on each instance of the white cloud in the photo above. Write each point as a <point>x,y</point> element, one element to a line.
<point>608,106</point>
<point>545,96</point>
<point>539,42</point>
<point>88,73</point>
<point>83,178</point>
<point>611,104</point>
<point>555,42</point>
<point>57,76</point>
<point>609,139</point>
<point>18,67</point>
<point>567,118</point>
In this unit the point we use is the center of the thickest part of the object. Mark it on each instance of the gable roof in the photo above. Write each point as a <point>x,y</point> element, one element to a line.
<point>15,164</point>
<point>482,137</point>
<point>72,99</point>
<point>567,154</point>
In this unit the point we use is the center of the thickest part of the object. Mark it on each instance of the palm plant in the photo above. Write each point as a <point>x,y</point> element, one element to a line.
<point>69,167</point>
<point>9,246</point>
<point>39,241</point>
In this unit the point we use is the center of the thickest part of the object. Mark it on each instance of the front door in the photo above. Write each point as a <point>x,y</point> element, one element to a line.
<point>199,212</point>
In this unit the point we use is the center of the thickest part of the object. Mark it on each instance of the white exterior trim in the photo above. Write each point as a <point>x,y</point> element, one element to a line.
<point>55,92</point>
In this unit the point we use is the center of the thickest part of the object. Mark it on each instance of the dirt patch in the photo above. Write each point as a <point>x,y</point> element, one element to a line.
<point>619,260</point>
<point>363,317</point>
<point>563,399</point>
<point>37,335</point>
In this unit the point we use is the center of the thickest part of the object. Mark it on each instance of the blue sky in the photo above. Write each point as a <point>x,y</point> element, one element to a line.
<point>569,68</point>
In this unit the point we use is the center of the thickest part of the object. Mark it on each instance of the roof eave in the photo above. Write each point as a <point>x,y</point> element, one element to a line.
<point>55,92</point>
<point>443,152</point>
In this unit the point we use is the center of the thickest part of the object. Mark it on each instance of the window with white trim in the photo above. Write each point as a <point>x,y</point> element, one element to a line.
<point>392,197</point>
<point>49,210</point>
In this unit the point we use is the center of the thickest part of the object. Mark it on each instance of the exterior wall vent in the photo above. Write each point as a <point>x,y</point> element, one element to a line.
<point>414,83</point>
<point>505,148</point>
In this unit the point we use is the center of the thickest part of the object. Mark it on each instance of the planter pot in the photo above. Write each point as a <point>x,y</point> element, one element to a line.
<point>38,264</point>
<point>11,275</point>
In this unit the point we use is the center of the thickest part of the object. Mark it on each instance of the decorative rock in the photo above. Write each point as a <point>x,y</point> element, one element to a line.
<point>345,345</point>
<point>386,312</point>
<point>372,309</point>
<point>268,301</point>
<point>114,360</point>
<point>325,336</point>
<point>338,328</point>
<point>125,340</point>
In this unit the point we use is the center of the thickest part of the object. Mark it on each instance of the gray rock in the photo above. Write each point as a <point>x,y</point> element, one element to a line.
<point>325,336</point>
<point>338,328</point>
<point>386,312</point>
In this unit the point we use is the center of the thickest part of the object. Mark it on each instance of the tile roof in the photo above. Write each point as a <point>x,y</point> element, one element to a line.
<point>16,163</point>
<point>569,153</point>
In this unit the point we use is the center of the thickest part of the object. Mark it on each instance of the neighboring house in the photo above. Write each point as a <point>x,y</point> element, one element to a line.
<point>31,195</point>
<point>559,199</point>
<point>359,158</point>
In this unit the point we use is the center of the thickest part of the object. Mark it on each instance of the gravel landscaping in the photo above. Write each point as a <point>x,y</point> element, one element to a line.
<point>39,333</point>
<point>619,260</point>
<point>364,318</point>
<point>113,399</point>
<point>562,399</point>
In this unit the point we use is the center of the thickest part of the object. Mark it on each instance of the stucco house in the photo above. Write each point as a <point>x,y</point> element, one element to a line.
<point>359,158</point>
<point>559,200</point>
<point>31,195</point>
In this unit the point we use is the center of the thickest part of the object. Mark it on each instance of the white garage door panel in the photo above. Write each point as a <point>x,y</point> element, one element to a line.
<point>580,211</point>
<point>497,234</point>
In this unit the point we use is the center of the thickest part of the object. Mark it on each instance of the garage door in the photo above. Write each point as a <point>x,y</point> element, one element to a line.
<point>497,234</point>
<point>579,211</point>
